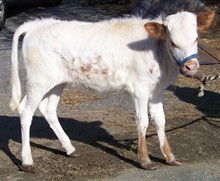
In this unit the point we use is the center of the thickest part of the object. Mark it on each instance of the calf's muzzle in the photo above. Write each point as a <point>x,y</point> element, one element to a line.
<point>190,67</point>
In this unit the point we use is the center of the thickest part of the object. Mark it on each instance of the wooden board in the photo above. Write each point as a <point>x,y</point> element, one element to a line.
<point>208,55</point>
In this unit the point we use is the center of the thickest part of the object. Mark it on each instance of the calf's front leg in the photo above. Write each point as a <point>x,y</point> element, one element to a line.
<point>157,114</point>
<point>141,102</point>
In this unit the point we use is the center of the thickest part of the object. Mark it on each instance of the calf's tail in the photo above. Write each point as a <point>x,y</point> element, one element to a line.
<point>15,80</point>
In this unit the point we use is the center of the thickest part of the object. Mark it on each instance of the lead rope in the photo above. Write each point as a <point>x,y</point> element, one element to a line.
<point>203,80</point>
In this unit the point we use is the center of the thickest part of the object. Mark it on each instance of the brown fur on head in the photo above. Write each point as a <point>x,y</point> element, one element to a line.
<point>205,20</point>
<point>156,30</point>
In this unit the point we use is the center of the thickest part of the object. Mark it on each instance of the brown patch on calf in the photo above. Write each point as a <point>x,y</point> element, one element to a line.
<point>105,71</point>
<point>144,156</point>
<point>143,151</point>
<point>156,30</point>
<point>205,20</point>
<point>167,151</point>
<point>73,70</point>
<point>85,68</point>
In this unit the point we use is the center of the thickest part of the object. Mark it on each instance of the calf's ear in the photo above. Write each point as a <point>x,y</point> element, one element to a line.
<point>156,30</point>
<point>205,19</point>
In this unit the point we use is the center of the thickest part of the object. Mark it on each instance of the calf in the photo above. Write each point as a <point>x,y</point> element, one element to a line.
<point>141,56</point>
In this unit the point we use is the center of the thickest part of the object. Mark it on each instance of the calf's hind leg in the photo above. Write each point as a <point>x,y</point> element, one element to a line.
<point>26,109</point>
<point>48,107</point>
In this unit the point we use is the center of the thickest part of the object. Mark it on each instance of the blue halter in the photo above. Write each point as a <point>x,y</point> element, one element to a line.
<point>181,62</point>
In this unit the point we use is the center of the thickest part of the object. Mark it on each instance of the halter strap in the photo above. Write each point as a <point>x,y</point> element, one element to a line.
<point>181,62</point>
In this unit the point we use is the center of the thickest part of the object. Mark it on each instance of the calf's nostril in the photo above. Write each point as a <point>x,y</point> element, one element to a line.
<point>190,66</point>
<point>187,67</point>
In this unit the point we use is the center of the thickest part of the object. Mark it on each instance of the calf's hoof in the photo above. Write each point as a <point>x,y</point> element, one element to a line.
<point>71,152</point>
<point>175,163</point>
<point>73,155</point>
<point>148,166</point>
<point>27,168</point>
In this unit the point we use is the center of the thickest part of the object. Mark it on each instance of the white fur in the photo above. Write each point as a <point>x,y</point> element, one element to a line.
<point>107,55</point>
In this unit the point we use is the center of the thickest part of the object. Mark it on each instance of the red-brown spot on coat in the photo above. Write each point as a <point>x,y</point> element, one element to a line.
<point>85,68</point>
<point>105,71</point>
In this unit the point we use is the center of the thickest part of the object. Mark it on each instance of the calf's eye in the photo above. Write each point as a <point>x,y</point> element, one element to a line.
<point>173,44</point>
<point>197,39</point>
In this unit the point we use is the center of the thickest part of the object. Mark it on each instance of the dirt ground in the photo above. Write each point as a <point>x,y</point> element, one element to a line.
<point>103,130</point>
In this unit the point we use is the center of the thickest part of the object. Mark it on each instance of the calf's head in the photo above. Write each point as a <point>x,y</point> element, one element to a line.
<point>180,31</point>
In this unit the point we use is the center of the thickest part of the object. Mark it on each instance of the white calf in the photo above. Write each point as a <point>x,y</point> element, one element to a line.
<point>141,56</point>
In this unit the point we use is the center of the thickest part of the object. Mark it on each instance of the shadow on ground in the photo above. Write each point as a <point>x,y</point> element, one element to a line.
<point>209,104</point>
<point>91,133</point>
